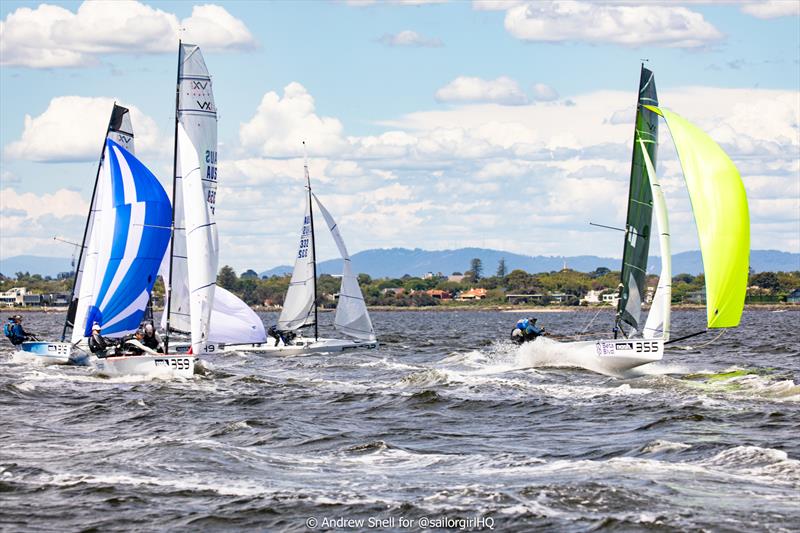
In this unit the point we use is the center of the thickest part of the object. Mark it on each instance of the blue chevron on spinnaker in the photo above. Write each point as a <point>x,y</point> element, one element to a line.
<point>139,215</point>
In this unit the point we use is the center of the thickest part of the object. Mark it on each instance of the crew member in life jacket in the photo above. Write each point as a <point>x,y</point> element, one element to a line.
<point>152,339</point>
<point>134,344</point>
<point>15,332</point>
<point>280,336</point>
<point>99,344</point>
<point>526,330</point>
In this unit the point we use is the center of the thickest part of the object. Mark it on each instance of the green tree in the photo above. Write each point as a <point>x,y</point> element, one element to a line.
<point>250,274</point>
<point>476,267</point>
<point>766,280</point>
<point>227,278</point>
<point>501,268</point>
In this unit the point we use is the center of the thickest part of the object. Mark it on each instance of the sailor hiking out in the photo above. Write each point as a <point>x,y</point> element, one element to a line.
<point>526,330</point>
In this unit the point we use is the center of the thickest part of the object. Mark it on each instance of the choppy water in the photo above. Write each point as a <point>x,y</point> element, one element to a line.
<point>442,422</point>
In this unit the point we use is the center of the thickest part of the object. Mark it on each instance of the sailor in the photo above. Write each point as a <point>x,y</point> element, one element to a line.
<point>526,330</point>
<point>134,344</point>
<point>280,336</point>
<point>15,332</point>
<point>152,339</point>
<point>97,343</point>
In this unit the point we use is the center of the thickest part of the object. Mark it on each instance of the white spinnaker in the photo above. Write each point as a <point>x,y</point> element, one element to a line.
<point>201,242</point>
<point>352,317</point>
<point>298,306</point>
<point>98,249</point>
<point>197,115</point>
<point>125,139</point>
<point>232,321</point>
<point>658,320</point>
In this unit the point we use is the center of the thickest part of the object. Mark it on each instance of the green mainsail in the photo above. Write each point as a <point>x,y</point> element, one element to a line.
<point>720,211</point>
<point>633,277</point>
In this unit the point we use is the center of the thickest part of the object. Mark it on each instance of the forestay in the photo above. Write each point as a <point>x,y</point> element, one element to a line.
<point>232,321</point>
<point>633,276</point>
<point>720,210</point>
<point>352,317</point>
<point>131,235</point>
<point>119,130</point>
<point>298,306</point>
<point>658,319</point>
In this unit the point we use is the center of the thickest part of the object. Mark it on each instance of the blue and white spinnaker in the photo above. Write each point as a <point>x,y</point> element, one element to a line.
<point>133,228</point>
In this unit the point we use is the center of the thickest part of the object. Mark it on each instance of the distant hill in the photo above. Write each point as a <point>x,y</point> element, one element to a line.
<point>395,262</point>
<point>45,266</point>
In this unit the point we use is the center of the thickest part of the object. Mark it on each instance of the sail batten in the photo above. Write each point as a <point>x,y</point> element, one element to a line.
<point>633,277</point>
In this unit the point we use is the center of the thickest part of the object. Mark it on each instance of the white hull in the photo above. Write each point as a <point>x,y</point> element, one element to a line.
<point>49,353</point>
<point>612,357</point>
<point>159,366</point>
<point>302,346</point>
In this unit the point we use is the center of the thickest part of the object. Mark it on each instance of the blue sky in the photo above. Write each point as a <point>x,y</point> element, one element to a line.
<point>432,125</point>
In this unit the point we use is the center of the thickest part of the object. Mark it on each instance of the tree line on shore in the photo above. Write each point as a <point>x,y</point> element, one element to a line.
<point>570,286</point>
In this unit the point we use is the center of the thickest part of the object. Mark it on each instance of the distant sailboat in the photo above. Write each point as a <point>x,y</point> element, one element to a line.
<point>299,307</point>
<point>720,208</point>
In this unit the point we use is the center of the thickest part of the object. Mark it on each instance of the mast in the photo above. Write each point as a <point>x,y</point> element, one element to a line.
<point>86,227</point>
<point>639,216</point>
<point>313,246</point>
<point>168,288</point>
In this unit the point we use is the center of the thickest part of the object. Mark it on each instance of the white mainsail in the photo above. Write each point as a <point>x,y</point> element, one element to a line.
<point>233,322</point>
<point>352,317</point>
<point>195,252</point>
<point>298,306</point>
<point>658,320</point>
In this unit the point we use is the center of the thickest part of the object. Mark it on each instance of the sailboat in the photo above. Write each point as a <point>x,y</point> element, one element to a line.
<point>120,131</point>
<point>300,309</point>
<point>202,315</point>
<point>721,214</point>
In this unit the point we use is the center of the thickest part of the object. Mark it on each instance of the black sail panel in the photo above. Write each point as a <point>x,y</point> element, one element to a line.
<point>633,285</point>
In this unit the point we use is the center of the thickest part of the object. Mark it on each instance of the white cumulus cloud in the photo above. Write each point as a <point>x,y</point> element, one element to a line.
<point>544,93</point>
<point>626,25</point>
<point>52,36</point>
<point>280,125</point>
<point>72,129</point>
<point>502,90</point>
<point>769,9</point>
<point>409,38</point>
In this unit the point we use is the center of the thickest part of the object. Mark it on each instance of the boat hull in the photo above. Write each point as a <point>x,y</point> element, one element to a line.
<point>612,357</point>
<point>160,365</point>
<point>50,353</point>
<point>302,346</point>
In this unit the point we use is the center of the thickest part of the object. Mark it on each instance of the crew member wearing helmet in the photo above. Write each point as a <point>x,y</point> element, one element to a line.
<point>97,343</point>
<point>526,330</point>
<point>15,332</point>
<point>152,339</point>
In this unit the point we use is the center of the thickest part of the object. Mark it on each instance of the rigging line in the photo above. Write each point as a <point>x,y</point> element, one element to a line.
<point>590,322</point>
<point>686,337</point>
<point>617,229</point>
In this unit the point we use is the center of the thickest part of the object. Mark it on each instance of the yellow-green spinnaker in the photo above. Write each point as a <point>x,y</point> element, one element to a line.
<point>720,210</point>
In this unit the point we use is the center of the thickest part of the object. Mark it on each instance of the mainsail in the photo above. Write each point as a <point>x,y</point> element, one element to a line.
<point>633,278</point>
<point>298,306</point>
<point>192,265</point>
<point>119,130</point>
<point>352,317</point>
<point>131,224</point>
<point>720,210</point>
